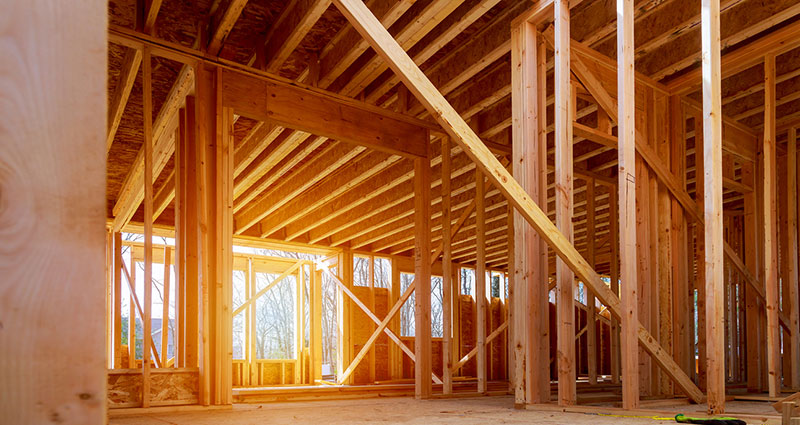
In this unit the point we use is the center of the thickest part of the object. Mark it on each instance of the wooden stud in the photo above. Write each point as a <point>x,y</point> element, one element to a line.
<point>53,363</point>
<point>681,310</point>
<point>539,313</point>
<point>480,279</point>
<point>117,339</point>
<point>299,326</point>
<point>132,304</point>
<point>395,356</point>
<point>712,160</point>
<point>165,307</point>
<point>190,240</point>
<point>792,259</point>
<point>530,300</point>
<point>371,283</point>
<point>422,275</point>
<point>615,324</point>
<point>591,329</point>
<point>565,358</point>
<point>447,271</point>
<point>769,219</point>
<point>627,204</point>
<point>251,313</point>
<point>316,325</point>
<point>147,110</point>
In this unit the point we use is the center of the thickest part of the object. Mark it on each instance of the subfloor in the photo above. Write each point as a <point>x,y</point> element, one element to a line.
<point>462,411</point>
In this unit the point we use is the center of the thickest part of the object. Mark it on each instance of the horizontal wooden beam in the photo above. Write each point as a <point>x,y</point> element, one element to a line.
<point>315,112</point>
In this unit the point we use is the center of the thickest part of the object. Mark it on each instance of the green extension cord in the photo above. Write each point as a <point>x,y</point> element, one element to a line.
<point>683,419</point>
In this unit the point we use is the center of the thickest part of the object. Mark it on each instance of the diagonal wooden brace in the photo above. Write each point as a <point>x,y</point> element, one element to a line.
<point>141,312</point>
<point>495,333</point>
<point>264,290</point>
<point>374,318</point>
<point>379,38</point>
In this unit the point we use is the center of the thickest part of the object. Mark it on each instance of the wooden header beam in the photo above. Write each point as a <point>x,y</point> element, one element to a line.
<point>312,111</point>
<point>379,38</point>
<point>354,110</point>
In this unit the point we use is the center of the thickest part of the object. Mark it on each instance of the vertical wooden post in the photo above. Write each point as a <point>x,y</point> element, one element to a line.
<point>371,281</point>
<point>316,325</point>
<point>530,300</point>
<point>190,240</point>
<point>117,340</point>
<point>299,327</point>
<point>480,278</point>
<point>565,356</point>
<point>251,312</point>
<point>110,312</point>
<point>344,353</point>
<point>447,272</point>
<point>132,316</point>
<point>539,292</point>
<point>422,274</point>
<point>165,308</point>
<point>180,239</point>
<point>699,281</point>
<point>224,243</point>
<point>615,324</point>
<point>792,259</point>
<point>214,129</point>
<point>53,163</point>
<point>680,269</point>
<point>752,308</point>
<point>147,110</point>
<point>712,159</point>
<point>769,205</point>
<point>395,355</point>
<point>523,112</point>
<point>627,205</point>
<point>513,382</point>
<point>591,329</point>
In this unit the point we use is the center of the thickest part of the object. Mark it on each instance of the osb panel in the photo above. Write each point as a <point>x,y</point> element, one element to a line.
<point>467,333</point>
<point>129,137</point>
<point>436,359</point>
<point>362,327</point>
<point>331,22</point>
<point>172,387</point>
<point>250,29</point>
<point>732,21</point>
<point>124,390</point>
<point>459,40</point>
<point>122,13</point>
<point>180,21</point>
<point>270,373</point>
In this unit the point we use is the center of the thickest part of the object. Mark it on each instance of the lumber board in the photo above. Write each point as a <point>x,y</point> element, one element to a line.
<point>712,176</point>
<point>624,115</point>
<point>369,27</point>
<point>565,279</point>
<point>322,115</point>
<point>54,75</point>
<point>223,23</point>
<point>769,219</point>
<point>422,275</point>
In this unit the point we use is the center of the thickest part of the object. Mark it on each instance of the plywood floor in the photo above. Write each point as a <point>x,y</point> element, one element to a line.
<point>463,411</point>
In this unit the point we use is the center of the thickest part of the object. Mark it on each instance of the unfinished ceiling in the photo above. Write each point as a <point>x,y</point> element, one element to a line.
<point>303,188</point>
